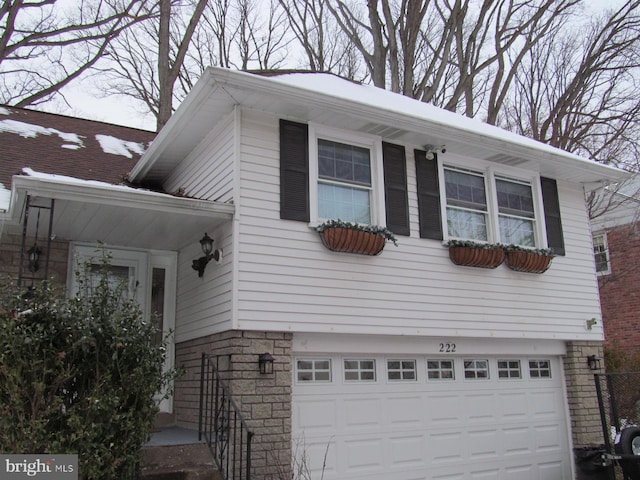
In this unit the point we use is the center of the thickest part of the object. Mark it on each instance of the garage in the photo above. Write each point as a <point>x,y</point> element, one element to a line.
<point>431,416</point>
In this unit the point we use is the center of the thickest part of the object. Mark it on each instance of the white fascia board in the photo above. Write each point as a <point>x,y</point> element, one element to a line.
<point>115,195</point>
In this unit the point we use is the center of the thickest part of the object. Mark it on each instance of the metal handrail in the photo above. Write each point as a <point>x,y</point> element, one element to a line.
<point>222,425</point>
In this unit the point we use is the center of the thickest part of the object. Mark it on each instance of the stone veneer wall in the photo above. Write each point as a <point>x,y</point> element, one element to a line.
<point>265,400</point>
<point>10,258</point>
<point>586,427</point>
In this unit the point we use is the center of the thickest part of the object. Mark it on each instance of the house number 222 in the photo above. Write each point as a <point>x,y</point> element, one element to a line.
<point>447,347</point>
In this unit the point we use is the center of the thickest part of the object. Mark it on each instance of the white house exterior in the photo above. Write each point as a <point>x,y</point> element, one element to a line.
<point>398,366</point>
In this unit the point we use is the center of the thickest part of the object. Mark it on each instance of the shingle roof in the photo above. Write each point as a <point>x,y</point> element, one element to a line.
<point>62,145</point>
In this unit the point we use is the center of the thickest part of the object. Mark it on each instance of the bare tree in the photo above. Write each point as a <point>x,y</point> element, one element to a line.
<point>43,48</point>
<point>577,89</point>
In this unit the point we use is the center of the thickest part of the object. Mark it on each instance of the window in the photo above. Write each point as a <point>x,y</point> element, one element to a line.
<point>509,369</point>
<point>401,370</point>
<point>515,212</point>
<point>476,369</point>
<point>601,254</point>
<point>344,182</point>
<point>440,370</point>
<point>360,370</point>
<point>313,370</point>
<point>539,369</point>
<point>466,204</point>
<point>491,208</point>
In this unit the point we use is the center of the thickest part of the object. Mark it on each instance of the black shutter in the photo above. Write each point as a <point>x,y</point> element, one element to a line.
<point>294,171</point>
<point>428,196</point>
<point>555,239</point>
<point>395,188</point>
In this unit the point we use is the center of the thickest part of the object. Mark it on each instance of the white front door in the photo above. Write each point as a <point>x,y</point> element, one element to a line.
<point>151,280</point>
<point>420,417</point>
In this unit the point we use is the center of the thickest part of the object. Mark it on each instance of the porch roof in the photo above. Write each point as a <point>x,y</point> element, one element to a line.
<point>91,211</point>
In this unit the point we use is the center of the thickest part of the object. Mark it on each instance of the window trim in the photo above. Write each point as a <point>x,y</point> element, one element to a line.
<point>490,172</point>
<point>371,142</point>
<point>605,243</point>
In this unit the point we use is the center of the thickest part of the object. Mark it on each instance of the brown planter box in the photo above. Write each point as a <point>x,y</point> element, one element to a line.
<point>476,257</point>
<point>529,262</point>
<point>352,241</point>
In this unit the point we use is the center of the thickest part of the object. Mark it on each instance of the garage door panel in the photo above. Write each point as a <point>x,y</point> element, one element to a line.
<point>363,455</point>
<point>318,416</point>
<point>362,414</point>
<point>547,437</point>
<point>514,406</point>
<point>483,444</point>
<point>444,447</point>
<point>517,440</point>
<point>407,451</point>
<point>444,409</point>
<point>404,410</point>
<point>480,407</point>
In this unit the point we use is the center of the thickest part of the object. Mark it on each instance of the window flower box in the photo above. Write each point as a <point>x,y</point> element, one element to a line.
<point>522,259</point>
<point>339,236</point>
<point>474,254</point>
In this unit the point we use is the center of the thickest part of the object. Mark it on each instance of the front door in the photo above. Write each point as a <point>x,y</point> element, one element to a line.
<point>151,279</point>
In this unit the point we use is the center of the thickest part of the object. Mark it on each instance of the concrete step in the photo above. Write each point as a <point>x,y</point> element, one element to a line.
<point>169,456</point>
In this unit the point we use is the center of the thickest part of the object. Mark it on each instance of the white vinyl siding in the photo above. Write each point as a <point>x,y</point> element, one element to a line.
<point>204,305</point>
<point>287,281</point>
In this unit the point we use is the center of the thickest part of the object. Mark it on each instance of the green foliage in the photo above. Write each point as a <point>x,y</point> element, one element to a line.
<point>386,233</point>
<point>79,375</point>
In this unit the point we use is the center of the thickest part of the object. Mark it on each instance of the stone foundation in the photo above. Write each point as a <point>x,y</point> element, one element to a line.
<point>264,400</point>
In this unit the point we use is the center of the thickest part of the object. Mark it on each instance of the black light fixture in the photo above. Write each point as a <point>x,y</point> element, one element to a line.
<point>265,362</point>
<point>593,362</point>
<point>34,258</point>
<point>199,264</point>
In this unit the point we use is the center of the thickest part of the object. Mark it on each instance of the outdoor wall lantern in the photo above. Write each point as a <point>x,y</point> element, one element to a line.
<point>432,149</point>
<point>199,264</point>
<point>593,362</point>
<point>265,362</point>
<point>34,258</point>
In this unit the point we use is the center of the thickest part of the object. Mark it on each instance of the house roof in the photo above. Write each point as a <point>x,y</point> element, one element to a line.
<point>82,165</point>
<point>331,100</point>
<point>62,145</point>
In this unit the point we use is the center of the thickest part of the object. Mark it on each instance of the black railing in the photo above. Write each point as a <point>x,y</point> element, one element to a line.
<point>222,426</point>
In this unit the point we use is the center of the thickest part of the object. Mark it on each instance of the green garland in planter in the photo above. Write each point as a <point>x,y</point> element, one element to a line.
<point>375,229</point>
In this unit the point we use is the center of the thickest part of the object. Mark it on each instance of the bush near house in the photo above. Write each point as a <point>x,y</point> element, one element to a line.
<point>78,375</point>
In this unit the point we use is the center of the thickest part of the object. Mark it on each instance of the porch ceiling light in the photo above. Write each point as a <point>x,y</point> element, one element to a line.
<point>593,362</point>
<point>199,264</point>
<point>265,362</point>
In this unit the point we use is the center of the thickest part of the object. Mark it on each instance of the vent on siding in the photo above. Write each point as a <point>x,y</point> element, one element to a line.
<point>507,160</point>
<point>382,130</point>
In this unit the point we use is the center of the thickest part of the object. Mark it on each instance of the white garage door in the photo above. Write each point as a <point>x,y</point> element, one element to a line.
<point>408,418</point>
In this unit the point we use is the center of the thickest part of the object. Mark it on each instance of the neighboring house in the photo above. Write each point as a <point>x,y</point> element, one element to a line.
<point>399,366</point>
<point>616,246</point>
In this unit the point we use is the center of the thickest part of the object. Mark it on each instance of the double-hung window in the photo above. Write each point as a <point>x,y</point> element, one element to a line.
<point>516,214</point>
<point>344,182</point>
<point>601,254</point>
<point>466,204</point>
<point>488,207</point>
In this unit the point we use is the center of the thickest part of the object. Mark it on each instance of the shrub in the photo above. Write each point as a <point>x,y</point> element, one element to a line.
<point>79,375</point>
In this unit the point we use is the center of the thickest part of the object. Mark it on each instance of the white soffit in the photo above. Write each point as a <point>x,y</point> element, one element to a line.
<point>119,215</point>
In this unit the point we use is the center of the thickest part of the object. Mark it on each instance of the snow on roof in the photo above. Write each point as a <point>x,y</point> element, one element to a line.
<point>29,130</point>
<point>72,141</point>
<point>5,197</point>
<point>370,95</point>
